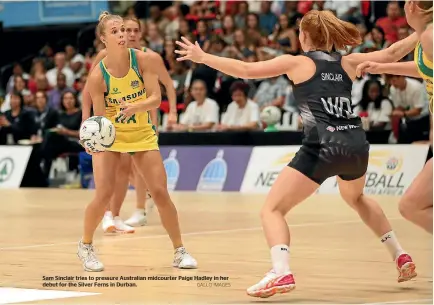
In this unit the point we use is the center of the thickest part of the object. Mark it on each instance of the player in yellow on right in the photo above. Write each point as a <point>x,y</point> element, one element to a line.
<point>416,205</point>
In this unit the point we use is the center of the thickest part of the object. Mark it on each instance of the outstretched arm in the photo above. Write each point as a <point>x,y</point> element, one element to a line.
<point>264,69</point>
<point>392,54</point>
<point>407,68</point>
<point>87,100</point>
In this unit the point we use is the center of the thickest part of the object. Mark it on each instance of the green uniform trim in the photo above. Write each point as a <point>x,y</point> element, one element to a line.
<point>106,77</point>
<point>421,64</point>
<point>135,64</point>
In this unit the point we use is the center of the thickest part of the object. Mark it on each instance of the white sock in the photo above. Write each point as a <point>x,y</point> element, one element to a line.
<point>280,259</point>
<point>391,242</point>
<point>140,211</point>
<point>108,214</point>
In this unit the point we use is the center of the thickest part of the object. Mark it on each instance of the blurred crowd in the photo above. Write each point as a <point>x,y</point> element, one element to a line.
<point>43,104</point>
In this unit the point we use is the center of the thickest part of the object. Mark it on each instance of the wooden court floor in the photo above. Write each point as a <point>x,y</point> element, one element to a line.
<point>334,257</point>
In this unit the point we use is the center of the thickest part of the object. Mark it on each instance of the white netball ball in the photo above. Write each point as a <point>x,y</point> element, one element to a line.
<point>97,133</point>
<point>270,115</point>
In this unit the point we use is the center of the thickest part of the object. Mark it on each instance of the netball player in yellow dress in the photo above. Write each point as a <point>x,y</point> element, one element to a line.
<point>126,170</point>
<point>416,205</point>
<point>124,88</point>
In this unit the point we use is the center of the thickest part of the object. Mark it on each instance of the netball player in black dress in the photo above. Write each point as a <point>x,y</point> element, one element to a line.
<point>334,142</point>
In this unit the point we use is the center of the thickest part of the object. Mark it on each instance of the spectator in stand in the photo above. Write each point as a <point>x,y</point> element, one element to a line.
<point>242,114</point>
<point>411,108</point>
<point>363,31</point>
<point>46,118</point>
<point>169,56</point>
<point>202,113</point>
<point>253,31</point>
<point>63,138</point>
<point>172,28</point>
<point>392,22</point>
<point>55,95</point>
<point>374,106</point>
<point>267,20</point>
<point>17,123</point>
<point>76,61</point>
<point>271,92</point>
<point>290,9</point>
<point>241,15</point>
<point>157,18</point>
<point>241,47</point>
<point>179,77</point>
<point>404,32</point>
<point>16,71</point>
<point>345,10</point>
<point>131,12</point>
<point>42,83</point>
<point>80,86</point>
<point>228,29</point>
<point>203,34</point>
<point>60,66</point>
<point>19,87</point>
<point>184,29</point>
<point>46,54</point>
<point>378,38</point>
<point>217,46</point>
<point>37,71</point>
<point>154,39</point>
<point>29,102</point>
<point>284,38</point>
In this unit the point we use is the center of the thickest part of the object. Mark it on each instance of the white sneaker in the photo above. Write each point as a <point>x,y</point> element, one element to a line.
<point>138,219</point>
<point>183,260</point>
<point>86,253</point>
<point>108,224</point>
<point>121,227</point>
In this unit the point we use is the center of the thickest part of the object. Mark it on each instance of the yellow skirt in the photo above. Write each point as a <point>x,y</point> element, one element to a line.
<point>135,139</point>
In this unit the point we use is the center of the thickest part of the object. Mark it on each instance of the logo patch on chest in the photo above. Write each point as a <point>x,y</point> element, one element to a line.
<point>134,84</point>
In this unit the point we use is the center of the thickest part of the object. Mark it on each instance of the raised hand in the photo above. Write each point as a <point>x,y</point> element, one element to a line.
<point>189,51</point>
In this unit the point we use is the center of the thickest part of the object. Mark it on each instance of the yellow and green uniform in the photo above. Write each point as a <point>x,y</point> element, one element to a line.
<point>137,133</point>
<point>424,66</point>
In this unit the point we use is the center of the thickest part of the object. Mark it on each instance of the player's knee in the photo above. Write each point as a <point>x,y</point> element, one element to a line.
<point>405,208</point>
<point>104,195</point>
<point>354,200</point>
<point>160,195</point>
<point>269,209</point>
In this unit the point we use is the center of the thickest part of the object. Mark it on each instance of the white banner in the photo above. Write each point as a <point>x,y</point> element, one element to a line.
<point>265,164</point>
<point>391,169</point>
<point>13,164</point>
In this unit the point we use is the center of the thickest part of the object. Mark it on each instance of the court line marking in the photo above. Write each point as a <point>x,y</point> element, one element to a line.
<point>309,224</point>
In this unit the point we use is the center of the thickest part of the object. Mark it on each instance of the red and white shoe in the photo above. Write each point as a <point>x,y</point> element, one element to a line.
<point>406,268</point>
<point>272,284</point>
